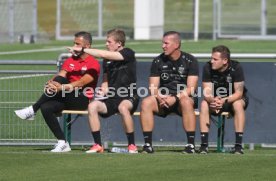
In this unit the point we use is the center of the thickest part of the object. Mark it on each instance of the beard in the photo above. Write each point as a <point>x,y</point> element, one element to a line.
<point>77,55</point>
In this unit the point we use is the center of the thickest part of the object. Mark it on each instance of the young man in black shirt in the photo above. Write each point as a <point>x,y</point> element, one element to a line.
<point>224,90</point>
<point>118,87</point>
<point>172,82</point>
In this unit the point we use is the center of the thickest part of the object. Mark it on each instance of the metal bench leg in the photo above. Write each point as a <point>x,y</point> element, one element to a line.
<point>220,138</point>
<point>67,127</point>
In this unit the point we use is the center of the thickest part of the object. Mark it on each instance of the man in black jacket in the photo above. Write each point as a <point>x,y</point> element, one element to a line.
<point>224,90</point>
<point>173,80</point>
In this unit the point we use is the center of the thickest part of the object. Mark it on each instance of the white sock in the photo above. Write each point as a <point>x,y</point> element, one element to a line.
<point>61,141</point>
<point>31,109</point>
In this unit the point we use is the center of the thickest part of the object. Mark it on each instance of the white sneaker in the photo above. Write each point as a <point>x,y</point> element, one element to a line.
<point>61,146</point>
<point>26,113</point>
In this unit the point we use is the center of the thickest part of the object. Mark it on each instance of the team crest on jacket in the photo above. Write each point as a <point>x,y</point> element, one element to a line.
<point>72,66</point>
<point>229,78</point>
<point>83,69</point>
<point>181,70</point>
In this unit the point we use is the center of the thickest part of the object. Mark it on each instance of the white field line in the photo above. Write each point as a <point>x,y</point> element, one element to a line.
<point>17,77</point>
<point>31,51</point>
<point>23,76</point>
<point>59,49</point>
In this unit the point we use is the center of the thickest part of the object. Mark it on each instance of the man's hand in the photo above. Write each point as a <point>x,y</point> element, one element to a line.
<point>166,100</point>
<point>75,50</point>
<point>50,87</point>
<point>100,94</point>
<point>217,104</point>
<point>53,86</point>
<point>161,100</point>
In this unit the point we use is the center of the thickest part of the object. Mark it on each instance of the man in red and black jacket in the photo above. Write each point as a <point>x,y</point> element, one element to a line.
<point>72,88</point>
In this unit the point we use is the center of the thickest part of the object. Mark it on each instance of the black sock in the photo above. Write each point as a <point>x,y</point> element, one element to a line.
<point>204,138</point>
<point>239,136</point>
<point>130,138</point>
<point>97,137</point>
<point>148,137</point>
<point>191,137</point>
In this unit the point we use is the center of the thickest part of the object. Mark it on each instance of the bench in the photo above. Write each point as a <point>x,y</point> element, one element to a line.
<point>68,121</point>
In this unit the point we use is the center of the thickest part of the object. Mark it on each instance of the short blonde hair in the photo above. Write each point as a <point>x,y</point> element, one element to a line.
<point>118,35</point>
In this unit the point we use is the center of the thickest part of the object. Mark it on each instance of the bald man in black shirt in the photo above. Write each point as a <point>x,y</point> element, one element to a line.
<point>173,82</point>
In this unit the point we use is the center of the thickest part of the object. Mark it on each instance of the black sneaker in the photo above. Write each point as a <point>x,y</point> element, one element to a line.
<point>189,149</point>
<point>147,148</point>
<point>203,149</point>
<point>237,149</point>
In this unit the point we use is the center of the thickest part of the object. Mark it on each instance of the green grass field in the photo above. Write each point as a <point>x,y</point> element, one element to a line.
<point>51,50</point>
<point>37,163</point>
<point>25,163</point>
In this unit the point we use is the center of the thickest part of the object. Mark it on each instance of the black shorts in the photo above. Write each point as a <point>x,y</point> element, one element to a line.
<point>112,105</point>
<point>228,107</point>
<point>163,112</point>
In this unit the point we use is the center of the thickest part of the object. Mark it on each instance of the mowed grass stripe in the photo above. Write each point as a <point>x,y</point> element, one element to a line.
<point>33,163</point>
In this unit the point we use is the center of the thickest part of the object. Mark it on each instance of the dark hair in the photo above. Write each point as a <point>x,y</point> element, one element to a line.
<point>224,50</point>
<point>118,35</point>
<point>86,36</point>
<point>176,35</point>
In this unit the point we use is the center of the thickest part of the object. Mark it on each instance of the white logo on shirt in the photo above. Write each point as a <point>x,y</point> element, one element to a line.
<point>83,69</point>
<point>164,76</point>
<point>72,66</point>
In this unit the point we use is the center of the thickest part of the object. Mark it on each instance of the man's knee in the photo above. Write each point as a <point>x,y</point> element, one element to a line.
<point>186,102</point>
<point>93,106</point>
<point>124,108</point>
<point>46,108</point>
<point>238,105</point>
<point>147,103</point>
<point>204,106</point>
